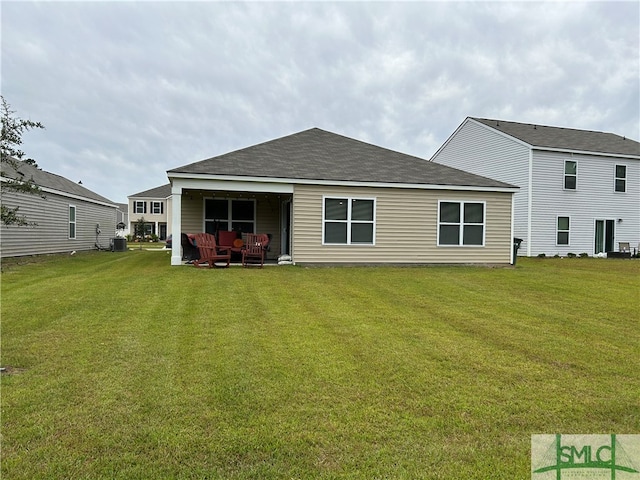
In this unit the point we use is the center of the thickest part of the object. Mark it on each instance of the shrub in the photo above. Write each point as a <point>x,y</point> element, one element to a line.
<point>541,255</point>
<point>571,255</point>
<point>584,255</point>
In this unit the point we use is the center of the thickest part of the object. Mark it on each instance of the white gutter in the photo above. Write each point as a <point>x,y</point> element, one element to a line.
<point>63,194</point>
<point>529,202</point>
<point>270,183</point>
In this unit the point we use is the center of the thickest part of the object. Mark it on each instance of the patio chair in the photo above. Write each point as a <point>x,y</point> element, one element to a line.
<point>189,250</point>
<point>210,253</point>
<point>230,240</point>
<point>624,247</point>
<point>254,249</point>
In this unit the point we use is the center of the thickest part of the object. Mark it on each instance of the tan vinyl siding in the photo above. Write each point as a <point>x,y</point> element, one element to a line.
<point>405,229</point>
<point>51,234</point>
<point>192,213</point>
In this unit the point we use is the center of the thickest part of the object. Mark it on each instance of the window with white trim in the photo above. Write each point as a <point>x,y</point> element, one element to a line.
<point>72,221</point>
<point>570,175</point>
<point>348,221</point>
<point>157,208</point>
<point>621,178</point>
<point>234,214</point>
<point>461,223</point>
<point>139,206</point>
<point>562,231</point>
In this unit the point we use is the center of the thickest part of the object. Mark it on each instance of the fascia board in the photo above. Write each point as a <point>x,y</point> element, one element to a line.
<point>218,182</point>
<point>584,152</point>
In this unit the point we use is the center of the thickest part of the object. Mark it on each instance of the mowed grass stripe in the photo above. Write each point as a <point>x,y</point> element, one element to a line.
<point>134,369</point>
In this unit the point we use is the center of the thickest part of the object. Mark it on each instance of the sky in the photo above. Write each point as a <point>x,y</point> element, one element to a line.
<point>129,90</point>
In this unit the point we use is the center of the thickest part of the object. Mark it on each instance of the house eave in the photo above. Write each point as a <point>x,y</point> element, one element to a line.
<point>68,195</point>
<point>285,185</point>
<point>584,152</point>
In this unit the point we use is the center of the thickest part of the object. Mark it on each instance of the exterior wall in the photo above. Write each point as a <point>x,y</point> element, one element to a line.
<point>51,234</point>
<point>156,218</point>
<point>267,214</point>
<point>478,149</point>
<point>594,198</point>
<point>192,213</point>
<point>405,229</point>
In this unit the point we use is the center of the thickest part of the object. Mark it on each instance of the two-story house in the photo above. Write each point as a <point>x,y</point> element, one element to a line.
<point>154,206</point>
<point>579,190</point>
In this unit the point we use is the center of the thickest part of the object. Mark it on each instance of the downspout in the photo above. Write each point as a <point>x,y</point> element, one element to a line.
<point>513,226</point>
<point>529,202</point>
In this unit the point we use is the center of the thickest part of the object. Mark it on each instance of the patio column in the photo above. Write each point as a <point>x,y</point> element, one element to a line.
<point>176,220</point>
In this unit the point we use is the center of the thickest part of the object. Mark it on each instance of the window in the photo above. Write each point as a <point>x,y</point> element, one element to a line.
<point>157,208</point>
<point>562,231</point>
<point>621,178</point>
<point>139,207</point>
<point>348,221</point>
<point>570,174</point>
<point>229,214</point>
<point>72,221</point>
<point>461,223</point>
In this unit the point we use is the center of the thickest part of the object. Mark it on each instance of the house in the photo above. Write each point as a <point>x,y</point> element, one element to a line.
<point>154,206</point>
<point>327,199</point>
<point>579,190</point>
<point>122,219</point>
<point>67,216</point>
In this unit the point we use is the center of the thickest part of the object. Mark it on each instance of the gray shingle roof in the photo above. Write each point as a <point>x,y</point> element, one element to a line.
<point>51,180</point>
<point>162,191</point>
<point>565,138</point>
<point>318,155</point>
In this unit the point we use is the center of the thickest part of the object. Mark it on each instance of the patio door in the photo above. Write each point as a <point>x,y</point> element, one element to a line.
<point>605,235</point>
<point>285,229</point>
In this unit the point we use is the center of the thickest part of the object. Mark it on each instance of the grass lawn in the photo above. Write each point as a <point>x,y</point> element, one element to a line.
<point>119,366</point>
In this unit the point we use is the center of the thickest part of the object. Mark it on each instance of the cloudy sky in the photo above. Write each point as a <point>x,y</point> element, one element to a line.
<point>128,90</point>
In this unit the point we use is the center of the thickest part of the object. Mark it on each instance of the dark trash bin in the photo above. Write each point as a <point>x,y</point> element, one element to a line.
<point>119,244</point>
<point>516,247</point>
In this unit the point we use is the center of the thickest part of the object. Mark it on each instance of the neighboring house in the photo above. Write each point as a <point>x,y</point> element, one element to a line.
<point>154,206</point>
<point>328,199</point>
<point>579,190</point>
<point>69,217</point>
<point>122,219</point>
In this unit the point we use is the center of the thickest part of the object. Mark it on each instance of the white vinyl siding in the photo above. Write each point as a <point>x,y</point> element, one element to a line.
<point>594,199</point>
<point>406,227</point>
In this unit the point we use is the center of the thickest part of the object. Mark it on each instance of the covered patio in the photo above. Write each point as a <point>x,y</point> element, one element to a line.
<point>221,206</point>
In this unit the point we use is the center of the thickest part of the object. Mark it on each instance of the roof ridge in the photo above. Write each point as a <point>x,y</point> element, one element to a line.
<point>548,126</point>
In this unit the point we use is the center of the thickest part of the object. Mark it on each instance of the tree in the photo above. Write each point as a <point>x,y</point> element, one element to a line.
<point>12,129</point>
